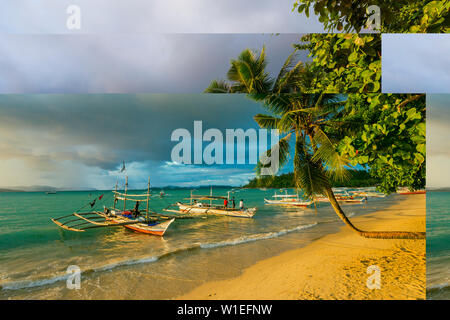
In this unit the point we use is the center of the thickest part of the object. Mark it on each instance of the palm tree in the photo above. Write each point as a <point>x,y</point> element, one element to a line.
<point>316,159</point>
<point>304,116</point>
<point>247,74</point>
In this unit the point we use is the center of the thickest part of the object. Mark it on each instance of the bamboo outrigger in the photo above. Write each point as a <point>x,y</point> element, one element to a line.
<point>288,200</point>
<point>137,220</point>
<point>198,206</point>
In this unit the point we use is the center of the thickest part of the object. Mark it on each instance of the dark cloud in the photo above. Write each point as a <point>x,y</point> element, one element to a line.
<point>176,63</point>
<point>99,131</point>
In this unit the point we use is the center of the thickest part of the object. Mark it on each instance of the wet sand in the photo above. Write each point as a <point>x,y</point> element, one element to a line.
<point>336,266</point>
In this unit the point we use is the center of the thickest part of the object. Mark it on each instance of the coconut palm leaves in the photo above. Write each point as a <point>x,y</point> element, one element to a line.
<point>248,74</point>
<point>316,158</point>
<point>304,116</point>
<point>313,119</point>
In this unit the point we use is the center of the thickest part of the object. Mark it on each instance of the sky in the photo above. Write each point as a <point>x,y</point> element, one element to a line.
<point>438,140</point>
<point>125,63</point>
<point>416,63</point>
<point>157,16</point>
<point>80,141</point>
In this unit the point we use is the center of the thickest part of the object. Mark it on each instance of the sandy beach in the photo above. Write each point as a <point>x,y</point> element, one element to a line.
<point>335,266</point>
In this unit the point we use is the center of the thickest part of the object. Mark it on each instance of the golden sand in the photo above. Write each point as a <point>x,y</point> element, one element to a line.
<point>335,266</point>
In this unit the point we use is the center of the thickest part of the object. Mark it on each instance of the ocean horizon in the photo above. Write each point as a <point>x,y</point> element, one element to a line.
<point>116,262</point>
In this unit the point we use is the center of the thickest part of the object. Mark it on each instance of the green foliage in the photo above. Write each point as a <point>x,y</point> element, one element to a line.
<point>396,16</point>
<point>357,178</point>
<point>341,63</point>
<point>344,62</point>
<point>305,116</point>
<point>386,133</point>
<point>248,74</point>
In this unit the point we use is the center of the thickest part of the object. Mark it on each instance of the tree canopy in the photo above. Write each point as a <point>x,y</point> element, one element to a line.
<point>401,16</point>
<point>344,62</point>
<point>340,63</point>
<point>386,134</point>
<point>357,178</point>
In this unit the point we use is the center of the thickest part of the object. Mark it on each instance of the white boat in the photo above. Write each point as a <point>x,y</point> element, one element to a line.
<point>143,221</point>
<point>198,205</point>
<point>201,208</point>
<point>367,194</point>
<point>290,200</point>
<point>343,198</point>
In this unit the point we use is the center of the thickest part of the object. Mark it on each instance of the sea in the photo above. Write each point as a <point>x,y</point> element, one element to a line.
<point>117,263</point>
<point>438,245</point>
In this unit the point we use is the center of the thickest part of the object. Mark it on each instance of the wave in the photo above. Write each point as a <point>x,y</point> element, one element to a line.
<point>33,283</point>
<point>256,237</point>
<point>126,263</point>
<point>244,239</point>
<point>439,286</point>
<point>440,291</point>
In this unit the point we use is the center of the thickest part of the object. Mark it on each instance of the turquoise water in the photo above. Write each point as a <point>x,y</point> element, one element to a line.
<point>438,245</point>
<point>119,263</point>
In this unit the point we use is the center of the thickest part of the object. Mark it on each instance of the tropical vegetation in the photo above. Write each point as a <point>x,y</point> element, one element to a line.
<point>402,16</point>
<point>357,179</point>
<point>340,63</point>
<point>327,133</point>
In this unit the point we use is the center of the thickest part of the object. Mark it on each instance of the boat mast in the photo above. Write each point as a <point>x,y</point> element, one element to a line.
<point>148,195</point>
<point>210,200</point>
<point>125,198</point>
<point>115,194</point>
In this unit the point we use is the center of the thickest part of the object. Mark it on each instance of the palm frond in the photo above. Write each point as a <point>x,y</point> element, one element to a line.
<point>248,72</point>
<point>266,121</point>
<point>309,175</point>
<point>218,86</point>
<point>282,148</point>
<point>327,154</point>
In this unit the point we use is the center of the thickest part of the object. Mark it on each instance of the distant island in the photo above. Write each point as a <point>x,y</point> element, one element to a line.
<point>40,189</point>
<point>54,189</point>
<point>358,178</point>
<point>10,190</point>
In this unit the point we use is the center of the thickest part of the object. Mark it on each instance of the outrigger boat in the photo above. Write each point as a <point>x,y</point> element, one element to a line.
<point>406,191</point>
<point>142,221</point>
<point>350,199</point>
<point>197,206</point>
<point>343,197</point>
<point>290,200</point>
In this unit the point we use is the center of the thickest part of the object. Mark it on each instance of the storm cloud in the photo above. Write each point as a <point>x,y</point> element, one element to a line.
<point>81,140</point>
<point>171,63</point>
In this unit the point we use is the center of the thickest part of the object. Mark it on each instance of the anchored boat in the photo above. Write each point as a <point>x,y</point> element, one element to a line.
<point>406,191</point>
<point>198,205</point>
<point>143,221</point>
<point>290,200</point>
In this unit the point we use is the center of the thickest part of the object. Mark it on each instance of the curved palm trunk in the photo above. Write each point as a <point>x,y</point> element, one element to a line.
<point>370,234</point>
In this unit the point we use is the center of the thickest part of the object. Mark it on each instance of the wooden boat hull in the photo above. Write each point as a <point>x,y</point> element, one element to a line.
<point>247,213</point>
<point>413,192</point>
<point>352,200</point>
<point>157,229</point>
<point>292,203</point>
<point>356,200</point>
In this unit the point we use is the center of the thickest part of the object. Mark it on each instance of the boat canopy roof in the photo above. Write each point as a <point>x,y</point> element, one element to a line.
<point>200,197</point>
<point>285,196</point>
<point>131,197</point>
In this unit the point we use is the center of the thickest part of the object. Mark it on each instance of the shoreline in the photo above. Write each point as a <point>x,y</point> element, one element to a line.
<point>335,266</point>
